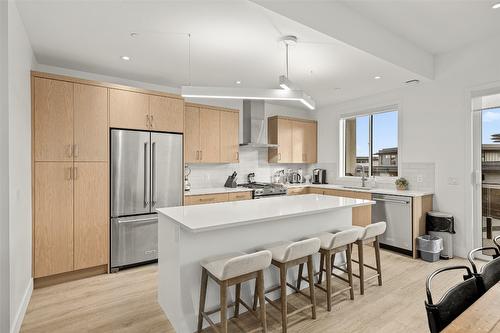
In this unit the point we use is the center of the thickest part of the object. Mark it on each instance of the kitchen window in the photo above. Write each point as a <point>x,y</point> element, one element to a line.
<point>370,144</point>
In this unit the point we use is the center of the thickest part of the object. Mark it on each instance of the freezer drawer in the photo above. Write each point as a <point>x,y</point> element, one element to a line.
<point>134,239</point>
<point>396,211</point>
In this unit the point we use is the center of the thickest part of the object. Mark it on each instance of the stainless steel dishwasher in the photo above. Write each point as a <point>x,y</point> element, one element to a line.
<point>396,211</point>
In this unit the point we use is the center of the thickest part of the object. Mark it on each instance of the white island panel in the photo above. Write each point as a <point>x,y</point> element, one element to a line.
<point>186,235</point>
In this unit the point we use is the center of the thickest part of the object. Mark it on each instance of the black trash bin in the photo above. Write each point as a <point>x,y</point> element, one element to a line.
<point>442,225</point>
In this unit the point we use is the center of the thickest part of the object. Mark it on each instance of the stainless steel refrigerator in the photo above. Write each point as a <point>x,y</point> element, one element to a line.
<point>146,173</point>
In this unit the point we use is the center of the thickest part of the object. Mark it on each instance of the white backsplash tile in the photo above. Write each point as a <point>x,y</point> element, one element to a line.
<point>251,160</point>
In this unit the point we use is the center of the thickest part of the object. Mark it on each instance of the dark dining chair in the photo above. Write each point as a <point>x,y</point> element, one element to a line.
<point>490,272</point>
<point>455,301</point>
<point>496,240</point>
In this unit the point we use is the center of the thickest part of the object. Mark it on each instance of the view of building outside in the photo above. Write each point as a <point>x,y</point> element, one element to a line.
<point>384,147</point>
<point>490,158</point>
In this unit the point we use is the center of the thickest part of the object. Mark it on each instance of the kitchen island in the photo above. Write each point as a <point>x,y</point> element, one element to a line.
<point>188,234</point>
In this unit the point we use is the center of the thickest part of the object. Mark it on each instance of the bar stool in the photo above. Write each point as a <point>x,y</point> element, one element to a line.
<point>331,244</point>
<point>367,235</point>
<point>288,254</point>
<point>233,269</point>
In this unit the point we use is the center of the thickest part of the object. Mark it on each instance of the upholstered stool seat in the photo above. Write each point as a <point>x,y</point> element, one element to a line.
<point>331,244</point>
<point>285,255</point>
<point>233,269</point>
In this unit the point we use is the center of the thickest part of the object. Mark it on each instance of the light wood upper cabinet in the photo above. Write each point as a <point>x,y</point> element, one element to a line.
<point>310,142</point>
<point>192,135</point>
<point>280,133</point>
<point>209,135</point>
<point>91,215</point>
<point>229,137</point>
<point>128,109</point>
<point>167,114</point>
<point>53,120</point>
<point>90,123</point>
<point>53,218</point>
<point>297,140</point>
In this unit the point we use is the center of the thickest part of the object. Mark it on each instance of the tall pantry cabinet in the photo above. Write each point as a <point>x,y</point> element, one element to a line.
<point>70,176</point>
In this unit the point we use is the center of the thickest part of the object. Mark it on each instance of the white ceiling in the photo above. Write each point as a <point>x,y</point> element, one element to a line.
<point>437,26</point>
<point>230,40</point>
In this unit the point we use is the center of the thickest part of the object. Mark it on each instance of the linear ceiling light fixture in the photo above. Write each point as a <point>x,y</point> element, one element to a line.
<point>289,92</point>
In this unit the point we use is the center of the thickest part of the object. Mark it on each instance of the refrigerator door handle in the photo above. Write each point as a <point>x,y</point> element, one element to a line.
<point>146,201</point>
<point>153,173</point>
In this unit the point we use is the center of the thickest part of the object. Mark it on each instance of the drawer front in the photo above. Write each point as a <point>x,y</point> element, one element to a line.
<point>297,191</point>
<point>240,196</point>
<point>205,199</point>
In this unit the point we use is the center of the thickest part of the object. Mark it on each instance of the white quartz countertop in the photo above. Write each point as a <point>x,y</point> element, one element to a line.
<point>406,193</point>
<point>216,190</point>
<point>215,216</point>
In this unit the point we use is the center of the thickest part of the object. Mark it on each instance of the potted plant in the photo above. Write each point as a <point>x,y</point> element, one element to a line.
<point>401,184</point>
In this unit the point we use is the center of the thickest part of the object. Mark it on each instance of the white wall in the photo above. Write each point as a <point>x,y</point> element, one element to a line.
<point>4,174</point>
<point>435,126</point>
<point>21,61</point>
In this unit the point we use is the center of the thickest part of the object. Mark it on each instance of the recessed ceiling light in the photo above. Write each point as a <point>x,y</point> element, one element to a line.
<point>496,6</point>
<point>377,77</point>
<point>126,58</point>
<point>133,34</point>
<point>238,82</point>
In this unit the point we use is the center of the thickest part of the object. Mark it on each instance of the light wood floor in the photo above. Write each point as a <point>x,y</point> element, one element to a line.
<point>126,302</point>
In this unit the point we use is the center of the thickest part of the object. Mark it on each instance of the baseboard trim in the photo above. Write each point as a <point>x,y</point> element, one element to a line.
<point>18,320</point>
<point>51,280</point>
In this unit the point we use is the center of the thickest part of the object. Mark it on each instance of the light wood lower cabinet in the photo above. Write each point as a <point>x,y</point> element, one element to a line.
<point>91,214</point>
<point>238,196</point>
<point>361,216</point>
<point>298,190</point>
<point>216,197</point>
<point>53,218</point>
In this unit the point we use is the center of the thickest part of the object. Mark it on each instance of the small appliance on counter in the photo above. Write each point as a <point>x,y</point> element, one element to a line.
<point>319,176</point>
<point>231,181</point>
<point>187,172</point>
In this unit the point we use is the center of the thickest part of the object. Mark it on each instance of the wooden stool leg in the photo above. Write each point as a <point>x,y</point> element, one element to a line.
<point>321,267</point>
<point>333,262</point>
<point>255,295</point>
<point>377,257</point>
<point>349,269</point>
<point>262,301</point>
<point>203,296</point>
<point>328,275</point>
<point>223,307</point>
<point>311,285</point>
<point>284,310</point>
<point>237,300</point>
<point>361,267</point>
<point>299,278</point>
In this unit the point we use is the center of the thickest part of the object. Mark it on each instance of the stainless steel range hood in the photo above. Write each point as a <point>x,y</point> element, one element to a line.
<point>255,125</point>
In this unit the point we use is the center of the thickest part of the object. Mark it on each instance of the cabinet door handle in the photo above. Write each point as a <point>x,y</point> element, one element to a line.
<point>69,150</point>
<point>151,121</point>
<point>201,155</point>
<point>68,173</point>
<point>197,155</point>
<point>75,173</point>
<point>148,123</point>
<point>237,155</point>
<point>279,156</point>
<point>75,150</point>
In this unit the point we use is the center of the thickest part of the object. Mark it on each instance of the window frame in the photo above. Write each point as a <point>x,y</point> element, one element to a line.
<point>342,149</point>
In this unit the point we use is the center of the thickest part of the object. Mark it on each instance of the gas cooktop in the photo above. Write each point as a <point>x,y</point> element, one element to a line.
<point>265,189</point>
